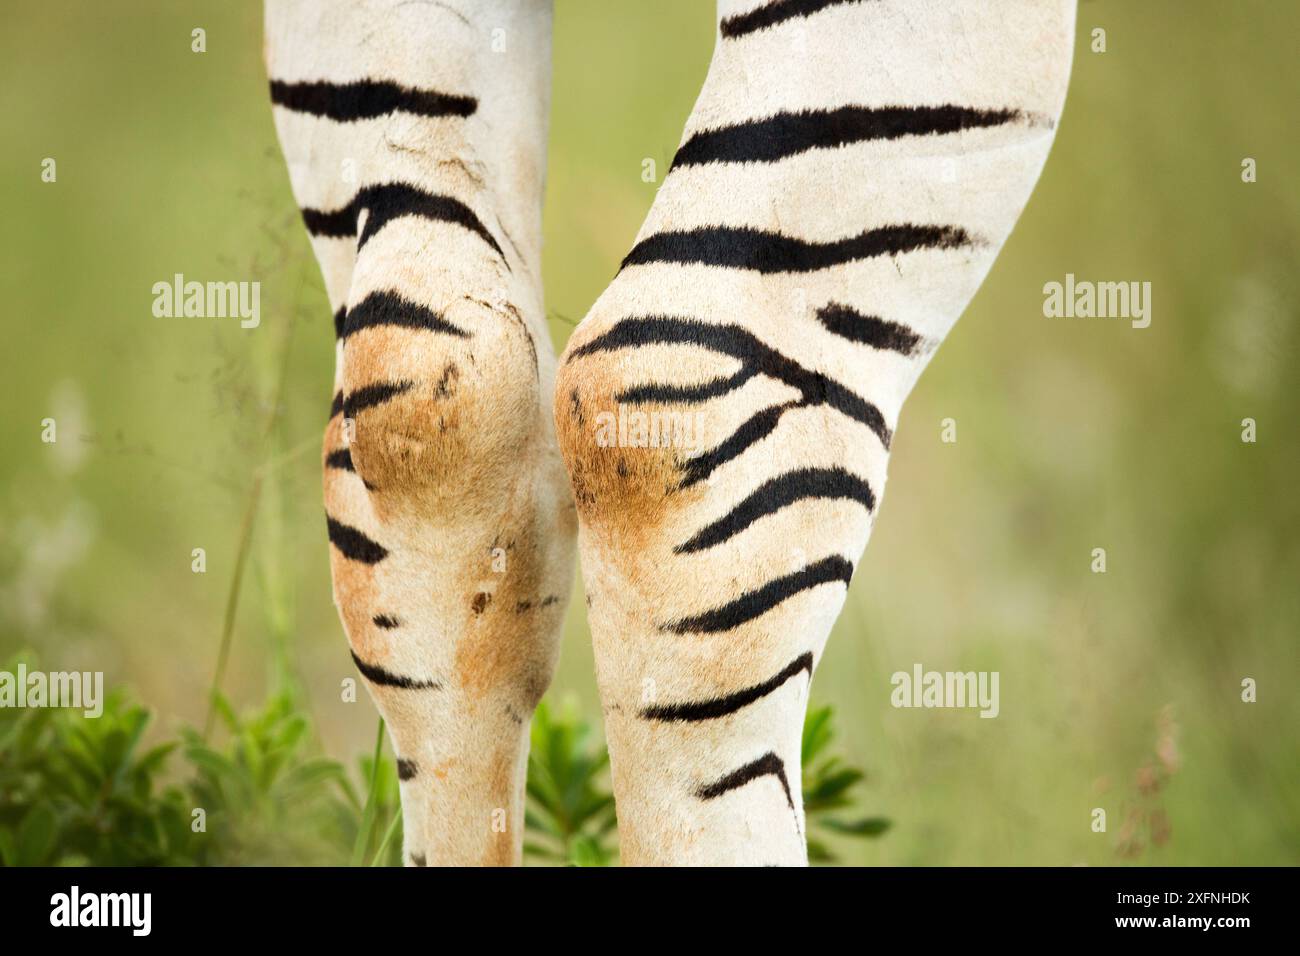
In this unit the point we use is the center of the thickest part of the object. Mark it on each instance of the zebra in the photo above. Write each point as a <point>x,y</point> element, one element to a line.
<point>842,186</point>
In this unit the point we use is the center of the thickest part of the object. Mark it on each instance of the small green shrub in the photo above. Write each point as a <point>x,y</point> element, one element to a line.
<point>78,791</point>
<point>75,791</point>
<point>829,787</point>
<point>570,816</point>
<point>265,800</point>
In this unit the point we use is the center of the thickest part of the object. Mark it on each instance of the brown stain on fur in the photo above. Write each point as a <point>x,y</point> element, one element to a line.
<point>354,584</point>
<point>624,493</point>
<point>500,650</point>
<point>500,784</point>
<point>354,581</point>
<point>458,436</point>
<point>406,441</point>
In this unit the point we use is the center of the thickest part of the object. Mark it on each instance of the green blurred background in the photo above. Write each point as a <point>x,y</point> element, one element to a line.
<point>1118,690</point>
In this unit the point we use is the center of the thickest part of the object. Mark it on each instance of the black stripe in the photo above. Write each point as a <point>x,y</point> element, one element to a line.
<point>722,706</point>
<point>386,678</point>
<point>686,394</point>
<point>741,247</point>
<point>339,318</point>
<point>391,308</point>
<point>789,134</point>
<point>753,431</point>
<point>340,458</point>
<point>754,604</point>
<point>336,405</point>
<point>773,13</point>
<point>353,544</point>
<point>386,621</point>
<point>406,769</point>
<point>853,405</point>
<point>868,329</point>
<point>776,494</point>
<point>389,201</point>
<point>335,224</point>
<point>768,765</point>
<point>367,99</point>
<point>371,395</point>
<point>739,343</point>
<point>394,200</point>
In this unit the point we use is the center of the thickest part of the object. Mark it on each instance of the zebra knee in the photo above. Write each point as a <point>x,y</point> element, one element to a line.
<point>442,403</point>
<point>624,483</point>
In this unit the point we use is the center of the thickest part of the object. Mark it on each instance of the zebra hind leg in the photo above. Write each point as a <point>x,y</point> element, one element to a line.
<point>846,179</point>
<point>416,149</point>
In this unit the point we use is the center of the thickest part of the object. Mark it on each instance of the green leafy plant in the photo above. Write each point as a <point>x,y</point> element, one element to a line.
<point>828,787</point>
<point>77,791</point>
<point>80,791</point>
<point>570,816</point>
<point>87,791</point>
<point>264,800</point>
<point>571,820</point>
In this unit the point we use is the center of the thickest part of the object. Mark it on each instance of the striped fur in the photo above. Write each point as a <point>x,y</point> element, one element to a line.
<point>848,175</point>
<point>416,155</point>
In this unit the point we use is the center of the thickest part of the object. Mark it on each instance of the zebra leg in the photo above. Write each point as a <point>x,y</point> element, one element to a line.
<point>847,177</point>
<point>415,138</point>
